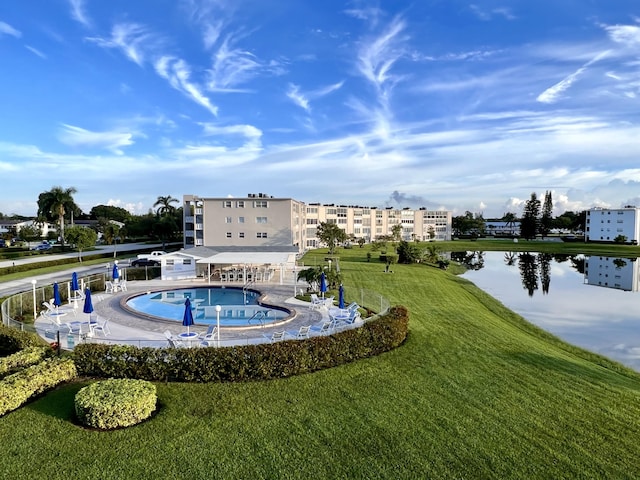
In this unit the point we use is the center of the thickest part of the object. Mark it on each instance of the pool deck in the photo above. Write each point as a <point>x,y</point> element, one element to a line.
<point>129,329</point>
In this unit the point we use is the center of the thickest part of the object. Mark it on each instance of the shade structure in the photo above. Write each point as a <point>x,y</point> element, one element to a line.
<point>187,319</point>
<point>116,273</point>
<point>323,283</point>
<point>74,282</point>
<point>341,297</point>
<point>57,301</point>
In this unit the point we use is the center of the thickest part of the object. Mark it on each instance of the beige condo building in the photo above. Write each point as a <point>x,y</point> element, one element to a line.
<point>260,220</point>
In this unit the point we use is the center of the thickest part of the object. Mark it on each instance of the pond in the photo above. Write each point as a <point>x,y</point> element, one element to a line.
<point>589,301</point>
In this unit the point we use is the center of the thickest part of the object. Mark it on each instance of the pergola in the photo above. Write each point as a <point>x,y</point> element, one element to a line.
<point>249,260</point>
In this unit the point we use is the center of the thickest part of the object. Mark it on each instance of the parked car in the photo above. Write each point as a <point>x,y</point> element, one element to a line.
<point>42,247</point>
<point>3,243</point>
<point>145,262</point>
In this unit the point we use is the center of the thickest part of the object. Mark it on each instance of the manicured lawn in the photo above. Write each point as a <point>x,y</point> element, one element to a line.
<point>475,392</point>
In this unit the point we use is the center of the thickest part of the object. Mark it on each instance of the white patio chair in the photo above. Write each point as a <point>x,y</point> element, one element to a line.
<point>210,338</point>
<point>302,333</point>
<point>101,327</point>
<point>276,336</point>
<point>109,287</point>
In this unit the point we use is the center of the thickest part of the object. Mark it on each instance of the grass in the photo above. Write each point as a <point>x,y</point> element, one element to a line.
<point>475,392</point>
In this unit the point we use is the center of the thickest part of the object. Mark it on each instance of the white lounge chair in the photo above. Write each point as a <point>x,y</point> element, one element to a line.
<point>210,338</point>
<point>276,336</point>
<point>327,328</point>
<point>173,341</point>
<point>302,333</point>
<point>316,302</point>
<point>100,327</point>
<point>109,287</point>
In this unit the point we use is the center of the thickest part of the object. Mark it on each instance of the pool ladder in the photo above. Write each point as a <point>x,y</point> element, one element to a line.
<point>259,316</point>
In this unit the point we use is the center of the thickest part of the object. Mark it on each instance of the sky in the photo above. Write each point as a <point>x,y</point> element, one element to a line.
<point>443,104</point>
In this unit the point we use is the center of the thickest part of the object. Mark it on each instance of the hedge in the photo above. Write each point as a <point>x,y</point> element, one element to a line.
<point>18,388</point>
<point>12,340</point>
<point>24,358</point>
<point>246,362</point>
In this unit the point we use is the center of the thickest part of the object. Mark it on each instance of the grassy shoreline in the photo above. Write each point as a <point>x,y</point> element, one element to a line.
<point>475,392</point>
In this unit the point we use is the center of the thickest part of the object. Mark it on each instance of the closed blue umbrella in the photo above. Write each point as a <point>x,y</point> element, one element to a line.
<point>74,282</point>
<point>57,301</point>
<point>88,305</point>
<point>116,273</point>
<point>323,284</point>
<point>187,319</point>
<point>341,297</point>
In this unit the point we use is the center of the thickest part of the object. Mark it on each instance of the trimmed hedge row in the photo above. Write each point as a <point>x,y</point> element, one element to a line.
<point>115,403</point>
<point>247,362</point>
<point>12,340</point>
<point>18,388</point>
<point>24,358</point>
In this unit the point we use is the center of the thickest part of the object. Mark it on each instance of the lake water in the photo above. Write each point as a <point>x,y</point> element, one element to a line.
<point>589,301</point>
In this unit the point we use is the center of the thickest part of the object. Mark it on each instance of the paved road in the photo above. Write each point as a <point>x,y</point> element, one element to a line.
<point>14,286</point>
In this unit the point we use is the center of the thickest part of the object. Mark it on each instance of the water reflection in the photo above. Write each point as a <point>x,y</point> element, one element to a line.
<point>560,297</point>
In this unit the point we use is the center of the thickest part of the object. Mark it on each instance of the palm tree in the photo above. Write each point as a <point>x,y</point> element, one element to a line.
<point>54,204</point>
<point>164,205</point>
<point>510,220</point>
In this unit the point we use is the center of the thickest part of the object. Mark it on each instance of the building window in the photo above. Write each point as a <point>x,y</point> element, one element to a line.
<point>260,204</point>
<point>241,235</point>
<point>261,219</point>
<point>240,204</point>
<point>261,235</point>
<point>227,219</point>
<point>226,204</point>
<point>228,234</point>
<point>240,219</point>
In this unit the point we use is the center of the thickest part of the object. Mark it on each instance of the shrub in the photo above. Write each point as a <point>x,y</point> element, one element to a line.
<point>12,340</point>
<point>24,358</point>
<point>246,362</point>
<point>115,403</point>
<point>18,388</point>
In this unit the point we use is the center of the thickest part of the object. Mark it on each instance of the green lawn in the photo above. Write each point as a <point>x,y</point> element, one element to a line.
<point>475,392</point>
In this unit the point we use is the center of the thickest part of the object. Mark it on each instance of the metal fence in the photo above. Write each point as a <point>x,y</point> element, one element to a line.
<point>20,311</point>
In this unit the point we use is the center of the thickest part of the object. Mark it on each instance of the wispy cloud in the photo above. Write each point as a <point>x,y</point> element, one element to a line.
<point>78,12</point>
<point>134,40</point>
<point>80,137</point>
<point>6,29</point>
<point>303,99</point>
<point>486,15</point>
<point>178,73</point>
<point>552,94</point>
<point>35,51</point>
<point>298,98</point>
<point>627,35</point>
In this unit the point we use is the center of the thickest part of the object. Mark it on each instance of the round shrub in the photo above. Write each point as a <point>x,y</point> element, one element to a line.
<point>115,403</point>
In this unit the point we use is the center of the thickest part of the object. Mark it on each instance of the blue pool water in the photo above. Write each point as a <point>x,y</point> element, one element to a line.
<point>239,308</point>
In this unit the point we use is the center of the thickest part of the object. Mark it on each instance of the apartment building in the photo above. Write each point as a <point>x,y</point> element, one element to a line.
<point>607,224</point>
<point>371,223</point>
<point>257,220</point>
<point>260,220</point>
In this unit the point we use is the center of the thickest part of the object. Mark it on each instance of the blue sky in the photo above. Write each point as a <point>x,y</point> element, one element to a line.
<point>435,103</point>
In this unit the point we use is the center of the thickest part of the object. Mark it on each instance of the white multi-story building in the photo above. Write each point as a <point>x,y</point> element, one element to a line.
<point>371,223</point>
<point>262,220</point>
<point>607,224</point>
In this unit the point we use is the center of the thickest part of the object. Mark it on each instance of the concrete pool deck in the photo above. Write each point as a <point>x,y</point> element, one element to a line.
<point>129,329</point>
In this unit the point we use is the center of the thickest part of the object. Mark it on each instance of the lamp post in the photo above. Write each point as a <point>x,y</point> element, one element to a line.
<point>33,283</point>
<point>218,308</point>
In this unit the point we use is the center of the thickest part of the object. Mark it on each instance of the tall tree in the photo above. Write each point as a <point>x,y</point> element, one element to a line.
<point>54,204</point>
<point>530,218</point>
<point>396,232</point>
<point>164,205</point>
<point>82,237</point>
<point>330,234</point>
<point>546,220</point>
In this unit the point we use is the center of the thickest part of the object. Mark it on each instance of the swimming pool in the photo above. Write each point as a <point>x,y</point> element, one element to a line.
<point>239,307</point>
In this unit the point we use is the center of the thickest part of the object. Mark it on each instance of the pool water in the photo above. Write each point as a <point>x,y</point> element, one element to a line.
<point>240,307</point>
